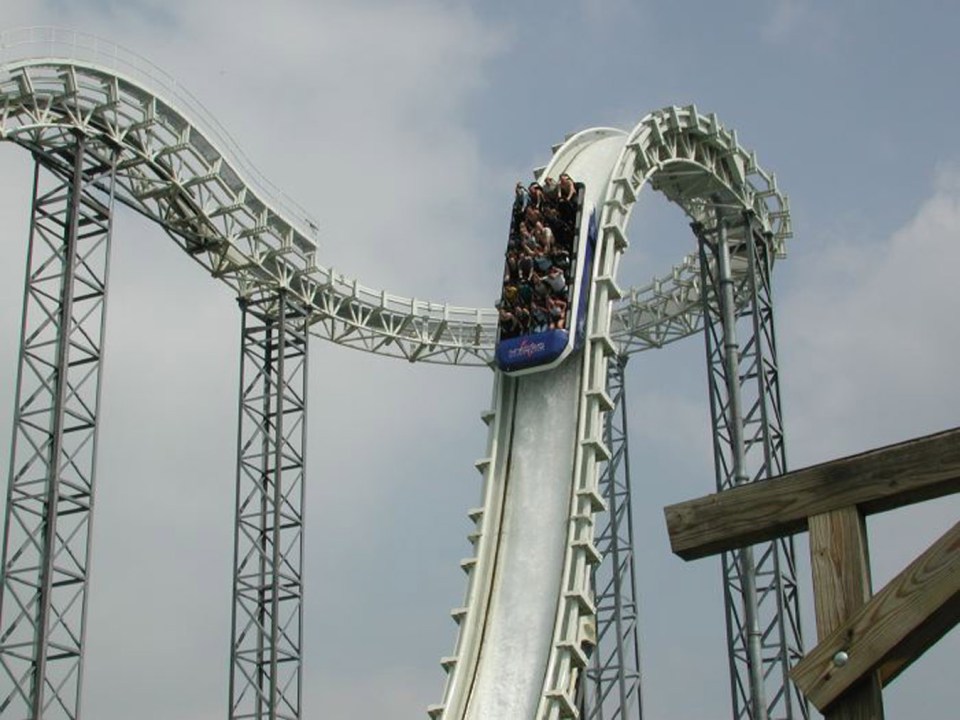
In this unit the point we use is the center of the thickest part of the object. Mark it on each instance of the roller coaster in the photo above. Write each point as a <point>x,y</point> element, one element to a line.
<point>548,625</point>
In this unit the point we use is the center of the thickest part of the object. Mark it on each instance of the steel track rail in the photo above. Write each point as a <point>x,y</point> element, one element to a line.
<point>180,168</point>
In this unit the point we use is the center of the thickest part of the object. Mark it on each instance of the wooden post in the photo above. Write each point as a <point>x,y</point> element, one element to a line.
<point>839,560</point>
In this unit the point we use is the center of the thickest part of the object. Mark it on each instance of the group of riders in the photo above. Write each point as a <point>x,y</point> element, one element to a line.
<point>540,257</point>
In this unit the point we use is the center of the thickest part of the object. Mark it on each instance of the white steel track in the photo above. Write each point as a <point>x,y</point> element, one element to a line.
<point>180,168</point>
<point>527,618</point>
<point>516,605</point>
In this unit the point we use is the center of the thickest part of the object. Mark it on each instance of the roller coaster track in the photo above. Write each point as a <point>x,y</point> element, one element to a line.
<point>178,167</point>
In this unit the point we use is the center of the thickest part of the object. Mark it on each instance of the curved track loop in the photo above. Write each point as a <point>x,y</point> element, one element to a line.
<point>179,168</point>
<point>700,167</point>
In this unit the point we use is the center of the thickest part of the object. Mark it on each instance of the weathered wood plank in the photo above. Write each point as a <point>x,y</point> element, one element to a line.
<point>890,631</point>
<point>874,481</point>
<point>840,565</point>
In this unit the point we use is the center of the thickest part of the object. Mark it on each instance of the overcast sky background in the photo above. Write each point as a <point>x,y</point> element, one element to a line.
<point>402,126</point>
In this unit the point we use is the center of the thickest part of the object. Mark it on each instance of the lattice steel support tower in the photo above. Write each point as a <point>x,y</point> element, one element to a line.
<point>265,654</point>
<point>760,589</point>
<point>50,495</point>
<point>612,690</point>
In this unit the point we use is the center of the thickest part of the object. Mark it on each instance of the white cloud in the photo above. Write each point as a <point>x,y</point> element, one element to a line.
<point>785,17</point>
<point>873,333</point>
<point>372,104</point>
<point>800,23</point>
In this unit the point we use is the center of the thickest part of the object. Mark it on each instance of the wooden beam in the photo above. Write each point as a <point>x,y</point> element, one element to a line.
<point>893,629</point>
<point>839,562</point>
<point>874,481</point>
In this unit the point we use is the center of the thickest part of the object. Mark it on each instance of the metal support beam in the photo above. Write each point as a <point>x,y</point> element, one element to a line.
<point>760,591</point>
<point>612,690</point>
<point>265,654</point>
<point>50,496</point>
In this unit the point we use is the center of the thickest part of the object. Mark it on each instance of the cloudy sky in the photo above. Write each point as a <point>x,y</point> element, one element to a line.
<point>402,127</point>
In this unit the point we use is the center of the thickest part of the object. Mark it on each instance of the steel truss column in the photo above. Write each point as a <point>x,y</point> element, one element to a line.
<point>46,542</point>
<point>265,656</point>
<point>612,689</point>
<point>760,589</point>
